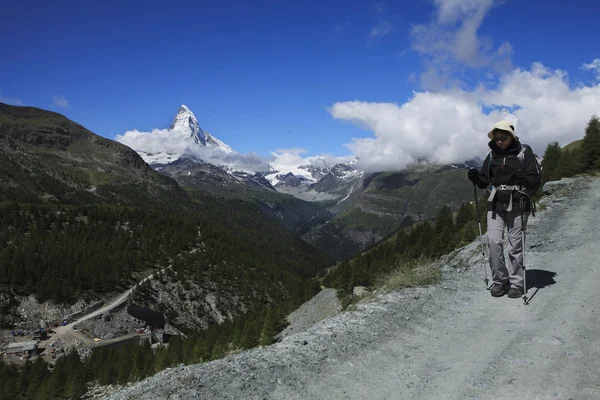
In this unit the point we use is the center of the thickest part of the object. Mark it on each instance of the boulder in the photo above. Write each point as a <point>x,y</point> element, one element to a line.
<point>359,291</point>
<point>553,186</point>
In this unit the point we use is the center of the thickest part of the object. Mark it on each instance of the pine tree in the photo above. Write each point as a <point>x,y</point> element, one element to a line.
<point>423,245</point>
<point>12,383</point>
<point>401,240</point>
<point>444,219</point>
<point>591,145</point>
<point>570,163</point>
<point>251,335</point>
<point>268,329</point>
<point>550,162</point>
<point>464,216</point>
<point>343,279</point>
<point>79,386</point>
<point>201,351</point>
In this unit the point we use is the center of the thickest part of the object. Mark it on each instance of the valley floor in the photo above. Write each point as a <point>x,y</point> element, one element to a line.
<point>449,341</point>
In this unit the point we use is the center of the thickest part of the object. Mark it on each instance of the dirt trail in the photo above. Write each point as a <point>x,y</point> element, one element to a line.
<point>476,346</point>
<point>451,341</point>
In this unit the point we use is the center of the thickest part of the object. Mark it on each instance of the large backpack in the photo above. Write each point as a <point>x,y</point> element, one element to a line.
<point>521,157</point>
<point>536,160</point>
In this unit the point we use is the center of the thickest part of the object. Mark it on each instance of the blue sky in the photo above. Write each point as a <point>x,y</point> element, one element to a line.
<point>266,75</point>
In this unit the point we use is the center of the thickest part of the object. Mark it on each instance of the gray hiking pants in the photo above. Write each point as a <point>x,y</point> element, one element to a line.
<point>496,224</point>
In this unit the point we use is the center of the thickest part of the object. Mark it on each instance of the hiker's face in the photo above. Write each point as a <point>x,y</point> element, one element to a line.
<point>503,139</point>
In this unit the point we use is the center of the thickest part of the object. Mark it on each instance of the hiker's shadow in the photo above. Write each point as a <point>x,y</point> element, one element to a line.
<point>538,279</point>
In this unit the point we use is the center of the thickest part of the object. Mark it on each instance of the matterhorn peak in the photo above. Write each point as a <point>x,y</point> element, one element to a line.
<point>184,121</point>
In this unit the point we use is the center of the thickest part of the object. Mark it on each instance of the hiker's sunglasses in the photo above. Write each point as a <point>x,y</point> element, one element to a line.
<point>501,139</point>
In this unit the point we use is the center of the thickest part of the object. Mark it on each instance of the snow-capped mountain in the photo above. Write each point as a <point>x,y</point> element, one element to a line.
<point>338,180</point>
<point>186,139</point>
<point>190,154</point>
<point>306,174</point>
<point>185,149</point>
<point>185,121</point>
<point>187,170</point>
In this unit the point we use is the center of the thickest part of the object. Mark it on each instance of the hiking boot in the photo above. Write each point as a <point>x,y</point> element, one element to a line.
<point>515,293</point>
<point>497,290</point>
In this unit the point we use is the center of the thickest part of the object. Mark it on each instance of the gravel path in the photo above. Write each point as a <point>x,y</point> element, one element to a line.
<point>449,341</point>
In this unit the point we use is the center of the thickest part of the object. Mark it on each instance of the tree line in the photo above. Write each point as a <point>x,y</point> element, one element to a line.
<point>60,252</point>
<point>581,157</point>
<point>426,240</point>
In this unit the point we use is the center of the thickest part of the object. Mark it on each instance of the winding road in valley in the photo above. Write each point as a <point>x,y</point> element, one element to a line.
<point>69,331</point>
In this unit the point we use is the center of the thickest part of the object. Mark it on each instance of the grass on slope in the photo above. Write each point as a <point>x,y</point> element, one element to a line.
<point>412,274</point>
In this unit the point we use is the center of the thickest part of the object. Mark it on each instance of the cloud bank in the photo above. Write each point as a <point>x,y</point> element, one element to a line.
<point>154,145</point>
<point>451,126</point>
<point>158,143</point>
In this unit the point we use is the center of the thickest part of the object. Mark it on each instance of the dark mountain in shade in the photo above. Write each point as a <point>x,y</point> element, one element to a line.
<point>45,157</point>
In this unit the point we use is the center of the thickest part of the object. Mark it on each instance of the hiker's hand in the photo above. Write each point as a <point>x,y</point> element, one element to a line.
<point>520,178</point>
<point>473,175</point>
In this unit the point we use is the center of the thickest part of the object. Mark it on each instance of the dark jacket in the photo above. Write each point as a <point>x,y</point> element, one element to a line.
<point>500,168</point>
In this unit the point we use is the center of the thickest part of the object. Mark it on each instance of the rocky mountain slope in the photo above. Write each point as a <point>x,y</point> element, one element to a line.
<point>443,341</point>
<point>378,204</point>
<point>339,208</point>
<point>46,157</point>
<point>83,218</point>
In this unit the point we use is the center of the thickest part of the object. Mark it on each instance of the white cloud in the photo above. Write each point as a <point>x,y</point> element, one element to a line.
<point>60,101</point>
<point>178,143</point>
<point>234,160</point>
<point>382,28</point>
<point>594,66</point>
<point>10,100</point>
<point>451,39</point>
<point>158,140</point>
<point>154,146</point>
<point>451,126</point>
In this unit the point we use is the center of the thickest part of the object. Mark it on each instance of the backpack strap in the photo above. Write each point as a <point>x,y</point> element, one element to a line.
<point>490,159</point>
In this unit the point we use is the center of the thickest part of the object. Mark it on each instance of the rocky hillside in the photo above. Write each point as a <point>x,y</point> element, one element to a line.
<point>83,218</point>
<point>379,204</point>
<point>44,157</point>
<point>404,344</point>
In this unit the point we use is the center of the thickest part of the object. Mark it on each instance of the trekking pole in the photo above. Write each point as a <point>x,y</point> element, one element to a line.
<point>481,239</point>
<point>525,299</point>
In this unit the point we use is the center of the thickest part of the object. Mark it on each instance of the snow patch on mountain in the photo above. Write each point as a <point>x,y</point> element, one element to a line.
<point>278,174</point>
<point>287,170</point>
<point>185,137</point>
<point>185,121</point>
<point>309,170</point>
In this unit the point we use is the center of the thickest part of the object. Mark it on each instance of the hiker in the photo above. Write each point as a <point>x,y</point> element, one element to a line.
<point>511,173</point>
